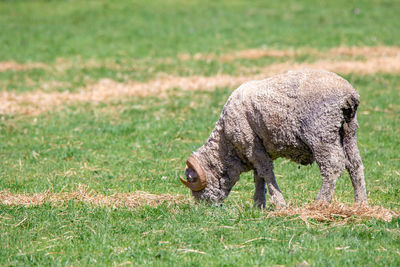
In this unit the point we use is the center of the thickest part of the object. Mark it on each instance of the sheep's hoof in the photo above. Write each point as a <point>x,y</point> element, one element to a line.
<point>362,203</point>
<point>278,201</point>
<point>280,206</point>
<point>260,205</point>
<point>361,200</point>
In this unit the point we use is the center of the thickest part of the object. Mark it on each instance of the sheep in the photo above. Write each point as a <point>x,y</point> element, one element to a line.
<point>305,116</point>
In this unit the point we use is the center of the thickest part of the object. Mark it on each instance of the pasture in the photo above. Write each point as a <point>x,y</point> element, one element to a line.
<point>101,103</point>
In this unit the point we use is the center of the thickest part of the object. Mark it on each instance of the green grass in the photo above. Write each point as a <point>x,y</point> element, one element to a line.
<point>132,145</point>
<point>223,236</point>
<point>142,143</point>
<point>45,30</point>
<point>136,33</point>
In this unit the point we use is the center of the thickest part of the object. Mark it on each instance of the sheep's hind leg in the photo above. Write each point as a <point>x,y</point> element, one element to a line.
<point>354,164</point>
<point>331,162</point>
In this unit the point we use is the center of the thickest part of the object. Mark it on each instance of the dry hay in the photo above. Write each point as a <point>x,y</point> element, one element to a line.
<point>62,64</point>
<point>337,212</point>
<point>319,211</point>
<point>15,66</point>
<point>384,64</point>
<point>337,52</point>
<point>87,196</point>
<point>377,60</point>
<point>106,90</point>
<point>366,51</point>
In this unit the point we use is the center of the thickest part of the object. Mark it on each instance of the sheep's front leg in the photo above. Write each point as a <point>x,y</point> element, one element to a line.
<point>265,172</point>
<point>259,193</point>
<point>275,194</point>
<point>331,162</point>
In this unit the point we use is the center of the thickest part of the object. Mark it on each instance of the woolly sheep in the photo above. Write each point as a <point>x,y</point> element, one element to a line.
<point>305,116</point>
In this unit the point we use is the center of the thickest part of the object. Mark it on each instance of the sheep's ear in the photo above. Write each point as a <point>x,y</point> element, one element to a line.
<point>196,177</point>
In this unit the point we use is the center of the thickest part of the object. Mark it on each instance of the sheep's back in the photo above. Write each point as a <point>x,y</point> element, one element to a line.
<point>305,84</point>
<point>275,109</point>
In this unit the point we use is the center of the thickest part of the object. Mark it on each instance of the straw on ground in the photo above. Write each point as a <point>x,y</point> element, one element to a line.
<point>334,212</point>
<point>85,195</point>
<point>106,90</point>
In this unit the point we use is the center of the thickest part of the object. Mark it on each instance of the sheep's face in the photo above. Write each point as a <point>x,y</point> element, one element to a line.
<point>210,194</point>
<point>203,184</point>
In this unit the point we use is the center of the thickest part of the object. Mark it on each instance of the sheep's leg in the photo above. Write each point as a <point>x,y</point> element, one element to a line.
<point>275,194</point>
<point>259,194</point>
<point>266,172</point>
<point>356,171</point>
<point>354,164</point>
<point>331,162</point>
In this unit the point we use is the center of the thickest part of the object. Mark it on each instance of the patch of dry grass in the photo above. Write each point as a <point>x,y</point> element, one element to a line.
<point>384,64</point>
<point>87,196</point>
<point>320,211</point>
<point>366,51</point>
<point>63,64</point>
<point>15,66</point>
<point>337,52</point>
<point>337,212</point>
<point>107,90</point>
<point>374,60</point>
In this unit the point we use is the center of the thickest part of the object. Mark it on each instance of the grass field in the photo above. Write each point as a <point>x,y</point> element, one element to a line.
<point>101,103</point>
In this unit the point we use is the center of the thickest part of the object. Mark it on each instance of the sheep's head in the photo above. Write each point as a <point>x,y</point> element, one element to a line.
<point>205,184</point>
<point>195,175</point>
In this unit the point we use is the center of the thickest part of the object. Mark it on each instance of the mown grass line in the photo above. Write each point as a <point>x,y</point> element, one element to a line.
<point>73,74</point>
<point>108,90</point>
<point>85,195</point>
<point>63,64</point>
<point>320,211</point>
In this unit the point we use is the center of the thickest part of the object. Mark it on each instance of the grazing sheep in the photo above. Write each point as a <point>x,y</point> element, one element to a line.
<point>302,115</point>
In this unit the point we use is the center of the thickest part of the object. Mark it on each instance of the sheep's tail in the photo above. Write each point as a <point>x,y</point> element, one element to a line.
<point>349,128</point>
<point>350,106</point>
<point>353,160</point>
